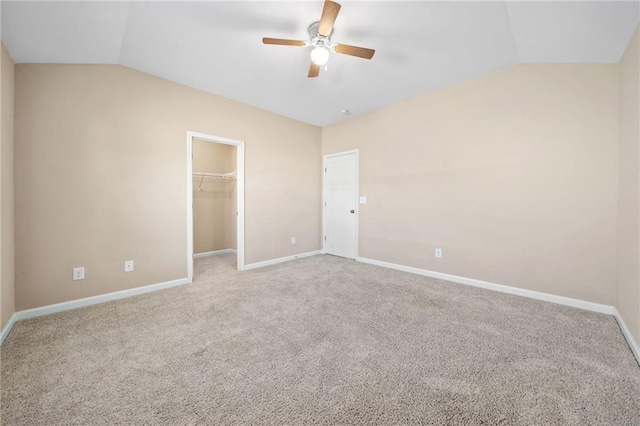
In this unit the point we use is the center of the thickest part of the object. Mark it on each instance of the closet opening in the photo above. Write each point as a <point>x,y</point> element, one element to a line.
<point>215,198</point>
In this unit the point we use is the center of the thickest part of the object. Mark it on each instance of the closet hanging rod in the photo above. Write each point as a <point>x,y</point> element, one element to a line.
<point>230,175</point>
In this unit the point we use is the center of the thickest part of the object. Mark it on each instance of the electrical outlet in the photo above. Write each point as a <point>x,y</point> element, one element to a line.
<point>438,252</point>
<point>78,273</point>
<point>293,240</point>
<point>128,265</point>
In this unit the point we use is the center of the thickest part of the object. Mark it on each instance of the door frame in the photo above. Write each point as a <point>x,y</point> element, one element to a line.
<point>357,196</point>
<point>239,195</point>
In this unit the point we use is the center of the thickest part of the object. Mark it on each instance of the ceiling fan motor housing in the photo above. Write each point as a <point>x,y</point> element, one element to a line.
<point>317,38</point>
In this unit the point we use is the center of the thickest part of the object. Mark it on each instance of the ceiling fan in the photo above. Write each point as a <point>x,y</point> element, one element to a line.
<point>320,40</point>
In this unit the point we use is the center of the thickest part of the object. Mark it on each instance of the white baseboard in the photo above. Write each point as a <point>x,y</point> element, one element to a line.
<point>87,301</point>
<point>7,328</point>
<point>576,303</point>
<point>561,300</point>
<point>280,260</point>
<point>74,304</point>
<point>213,253</point>
<point>635,348</point>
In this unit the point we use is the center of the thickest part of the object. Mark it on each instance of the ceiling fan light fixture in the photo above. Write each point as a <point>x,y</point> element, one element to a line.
<point>320,55</point>
<point>320,33</point>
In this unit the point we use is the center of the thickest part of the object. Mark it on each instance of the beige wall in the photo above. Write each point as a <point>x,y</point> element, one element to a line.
<point>214,201</point>
<point>101,178</point>
<point>628,290</point>
<point>513,175</point>
<point>7,305</point>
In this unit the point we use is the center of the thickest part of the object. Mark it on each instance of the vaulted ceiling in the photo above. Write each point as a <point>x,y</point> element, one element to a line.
<point>216,46</point>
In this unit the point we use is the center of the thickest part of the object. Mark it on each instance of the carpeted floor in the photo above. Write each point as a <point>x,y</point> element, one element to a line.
<point>320,340</point>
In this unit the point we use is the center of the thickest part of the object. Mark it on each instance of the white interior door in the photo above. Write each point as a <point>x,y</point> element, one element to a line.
<point>340,207</point>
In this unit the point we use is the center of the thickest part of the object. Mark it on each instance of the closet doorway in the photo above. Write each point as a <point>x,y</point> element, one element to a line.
<point>215,197</point>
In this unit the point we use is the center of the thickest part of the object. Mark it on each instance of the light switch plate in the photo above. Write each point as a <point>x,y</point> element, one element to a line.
<point>363,200</point>
<point>128,265</point>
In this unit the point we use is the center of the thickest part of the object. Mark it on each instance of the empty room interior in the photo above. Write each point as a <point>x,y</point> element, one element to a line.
<point>308,212</point>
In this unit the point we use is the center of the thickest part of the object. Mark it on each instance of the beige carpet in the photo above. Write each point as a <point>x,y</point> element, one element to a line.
<point>320,340</point>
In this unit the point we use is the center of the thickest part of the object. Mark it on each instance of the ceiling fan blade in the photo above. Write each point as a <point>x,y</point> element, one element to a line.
<point>314,70</point>
<point>283,41</point>
<point>360,52</point>
<point>329,15</point>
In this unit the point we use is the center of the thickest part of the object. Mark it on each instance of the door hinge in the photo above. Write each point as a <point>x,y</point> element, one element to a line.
<point>325,170</point>
<point>325,238</point>
<point>325,204</point>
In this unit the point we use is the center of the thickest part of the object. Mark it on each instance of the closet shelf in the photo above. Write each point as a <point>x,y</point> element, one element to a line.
<point>230,175</point>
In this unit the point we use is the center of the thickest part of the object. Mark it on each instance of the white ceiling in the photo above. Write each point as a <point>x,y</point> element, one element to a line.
<point>216,46</point>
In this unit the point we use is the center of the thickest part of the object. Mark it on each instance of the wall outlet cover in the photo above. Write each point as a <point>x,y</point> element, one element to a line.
<point>78,273</point>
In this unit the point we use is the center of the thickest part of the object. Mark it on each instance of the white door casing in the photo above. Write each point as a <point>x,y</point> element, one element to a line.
<point>239,196</point>
<point>340,205</point>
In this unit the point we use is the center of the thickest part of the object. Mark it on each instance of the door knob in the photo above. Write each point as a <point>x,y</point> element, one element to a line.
<point>353,211</point>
